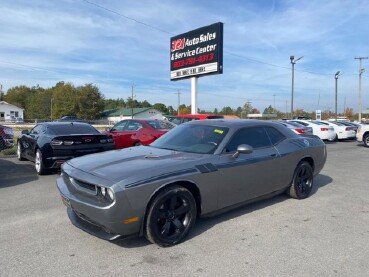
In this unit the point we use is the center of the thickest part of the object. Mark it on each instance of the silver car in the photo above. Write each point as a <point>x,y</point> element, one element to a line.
<point>195,170</point>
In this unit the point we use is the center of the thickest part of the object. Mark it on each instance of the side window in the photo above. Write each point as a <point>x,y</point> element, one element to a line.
<point>133,126</point>
<point>36,130</point>
<point>253,136</point>
<point>274,135</point>
<point>119,126</point>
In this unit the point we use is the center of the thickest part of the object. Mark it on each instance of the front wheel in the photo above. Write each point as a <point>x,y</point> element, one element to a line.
<point>366,140</point>
<point>39,163</point>
<point>171,216</point>
<point>302,182</point>
<point>19,152</point>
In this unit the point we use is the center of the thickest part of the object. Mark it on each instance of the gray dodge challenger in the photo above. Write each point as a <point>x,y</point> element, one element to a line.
<point>197,169</point>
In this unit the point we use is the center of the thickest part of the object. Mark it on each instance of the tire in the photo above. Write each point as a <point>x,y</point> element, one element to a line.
<point>366,140</point>
<point>39,163</point>
<point>137,144</point>
<point>170,217</point>
<point>302,181</point>
<point>19,152</point>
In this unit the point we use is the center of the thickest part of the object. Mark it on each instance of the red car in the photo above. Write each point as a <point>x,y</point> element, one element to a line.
<point>134,132</point>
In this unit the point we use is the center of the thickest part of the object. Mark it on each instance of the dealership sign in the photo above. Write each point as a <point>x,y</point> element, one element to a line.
<point>196,53</point>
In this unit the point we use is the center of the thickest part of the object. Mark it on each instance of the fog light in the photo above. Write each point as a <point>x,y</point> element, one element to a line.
<point>103,191</point>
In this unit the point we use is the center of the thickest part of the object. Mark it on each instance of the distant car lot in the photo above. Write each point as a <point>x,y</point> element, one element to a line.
<point>324,235</point>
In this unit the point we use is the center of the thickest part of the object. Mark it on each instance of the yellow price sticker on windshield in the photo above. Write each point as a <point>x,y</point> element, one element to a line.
<point>218,131</point>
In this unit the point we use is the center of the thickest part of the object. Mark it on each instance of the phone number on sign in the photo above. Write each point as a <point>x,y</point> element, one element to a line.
<point>193,61</point>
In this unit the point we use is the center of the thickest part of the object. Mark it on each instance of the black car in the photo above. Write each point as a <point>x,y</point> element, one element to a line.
<point>6,137</point>
<point>50,144</point>
<point>70,118</point>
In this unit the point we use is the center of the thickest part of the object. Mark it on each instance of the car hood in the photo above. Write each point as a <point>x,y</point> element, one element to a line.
<point>136,163</point>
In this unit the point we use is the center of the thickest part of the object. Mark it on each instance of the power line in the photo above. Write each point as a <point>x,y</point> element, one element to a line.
<point>127,17</point>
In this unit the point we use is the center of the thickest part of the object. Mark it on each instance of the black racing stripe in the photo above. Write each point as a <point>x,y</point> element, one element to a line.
<point>163,176</point>
<point>244,162</point>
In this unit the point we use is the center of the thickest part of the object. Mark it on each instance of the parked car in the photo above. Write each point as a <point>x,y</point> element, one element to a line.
<point>6,137</point>
<point>70,118</point>
<point>134,132</point>
<point>355,126</point>
<point>319,129</point>
<point>195,170</point>
<point>296,127</point>
<point>342,131</point>
<point>183,118</point>
<point>50,144</point>
<point>362,134</point>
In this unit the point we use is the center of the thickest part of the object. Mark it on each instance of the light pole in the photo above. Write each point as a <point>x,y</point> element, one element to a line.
<point>335,107</point>
<point>51,109</point>
<point>360,102</point>
<point>293,61</point>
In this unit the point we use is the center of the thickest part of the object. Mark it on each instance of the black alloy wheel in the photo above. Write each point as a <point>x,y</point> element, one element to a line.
<point>302,181</point>
<point>170,216</point>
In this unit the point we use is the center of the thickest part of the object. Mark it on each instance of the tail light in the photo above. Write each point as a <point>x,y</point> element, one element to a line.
<point>349,128</point>
<point>300,130</point>
<point>323,129</point>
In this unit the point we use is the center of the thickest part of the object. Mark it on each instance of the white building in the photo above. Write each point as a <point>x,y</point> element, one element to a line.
<point>117,115</point>
<point>9,112</point>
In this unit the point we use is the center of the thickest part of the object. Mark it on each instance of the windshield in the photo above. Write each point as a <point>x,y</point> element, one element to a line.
<point>201,139</point>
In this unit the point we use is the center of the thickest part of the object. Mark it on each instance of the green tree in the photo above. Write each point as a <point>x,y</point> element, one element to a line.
<point>226,111</point>
<point>161,107</point>
<point>90,101</point>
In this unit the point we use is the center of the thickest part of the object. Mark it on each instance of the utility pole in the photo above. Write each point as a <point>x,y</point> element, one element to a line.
<point>361,70</point>
<point>132,104</point>
<point>179,100</point>
<point>293,62</point>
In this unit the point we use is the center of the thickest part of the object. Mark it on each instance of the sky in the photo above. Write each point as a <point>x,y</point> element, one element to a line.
<point>124,46</point>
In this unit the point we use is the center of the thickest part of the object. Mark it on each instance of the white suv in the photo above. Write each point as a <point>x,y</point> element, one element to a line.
<point>362,134</point>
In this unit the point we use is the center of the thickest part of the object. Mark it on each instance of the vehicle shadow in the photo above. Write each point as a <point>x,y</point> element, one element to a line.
<point>204,224</point>
<point>13,174</point>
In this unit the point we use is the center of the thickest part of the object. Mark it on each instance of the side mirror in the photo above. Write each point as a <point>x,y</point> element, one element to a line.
<point>25,132</point>
<point>243,149</point>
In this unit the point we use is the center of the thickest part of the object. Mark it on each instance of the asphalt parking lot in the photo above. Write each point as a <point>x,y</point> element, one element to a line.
<point>324,235</point>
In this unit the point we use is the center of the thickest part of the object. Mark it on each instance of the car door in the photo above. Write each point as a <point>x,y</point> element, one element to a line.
<point>117,133</point>
<point>248,176</point>
<point>29,141</point>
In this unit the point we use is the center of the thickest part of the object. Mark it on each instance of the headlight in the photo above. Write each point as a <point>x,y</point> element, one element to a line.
<point>107,193</point>
<point>111,194</point>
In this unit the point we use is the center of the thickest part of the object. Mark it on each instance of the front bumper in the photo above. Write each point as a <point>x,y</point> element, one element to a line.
<point>103,221</point>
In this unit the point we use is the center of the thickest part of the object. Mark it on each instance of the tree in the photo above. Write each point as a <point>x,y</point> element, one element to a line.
<point>18,96</point>
<point>226,111</point>
<point>161,107</point>
<point>269,110</point>
<point>183,109</point>
<point>90,101</point>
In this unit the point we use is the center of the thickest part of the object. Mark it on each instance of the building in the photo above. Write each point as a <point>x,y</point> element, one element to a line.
<point>9,112</point>
<point>116,115</point>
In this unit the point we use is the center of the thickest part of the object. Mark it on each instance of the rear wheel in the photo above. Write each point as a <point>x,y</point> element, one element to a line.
<point>302,182</point>
<point>366,140</point>
<point>171,216</point>
<point>39,163</point>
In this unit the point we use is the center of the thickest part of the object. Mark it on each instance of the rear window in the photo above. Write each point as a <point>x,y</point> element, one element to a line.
<point>73,129</point>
